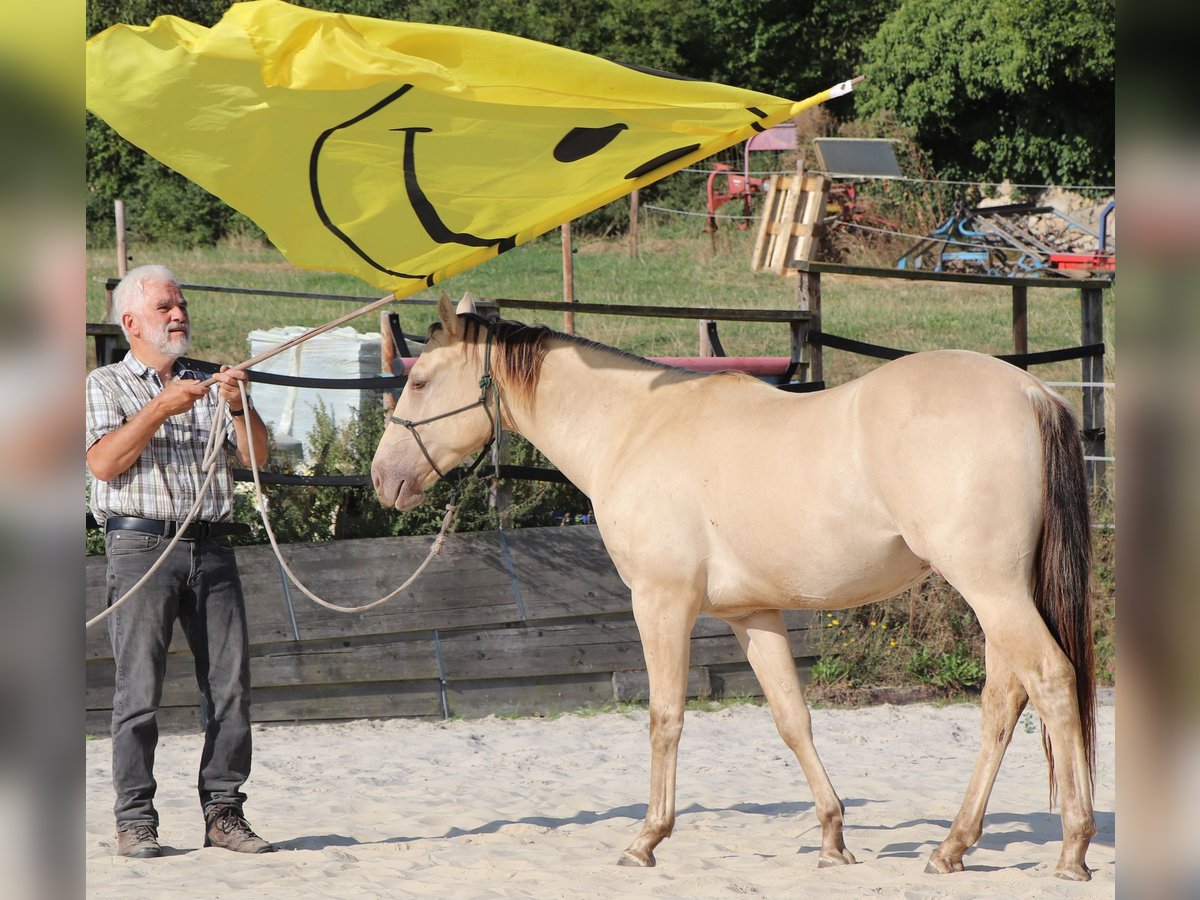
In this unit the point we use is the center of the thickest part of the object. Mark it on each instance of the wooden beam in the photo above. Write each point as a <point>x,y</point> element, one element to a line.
<point>657,312</point>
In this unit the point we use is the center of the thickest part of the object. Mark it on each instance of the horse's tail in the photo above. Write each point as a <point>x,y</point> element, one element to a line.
<point>1062,588</point>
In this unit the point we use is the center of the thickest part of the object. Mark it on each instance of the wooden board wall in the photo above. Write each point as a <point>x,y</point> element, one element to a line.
<point>455,642</point>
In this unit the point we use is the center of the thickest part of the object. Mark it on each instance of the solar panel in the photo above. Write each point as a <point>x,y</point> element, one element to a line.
<point>857,157</point>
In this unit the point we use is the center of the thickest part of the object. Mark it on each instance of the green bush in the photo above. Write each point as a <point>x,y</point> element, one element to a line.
<point>955,671</point>
<point>1001,89</point>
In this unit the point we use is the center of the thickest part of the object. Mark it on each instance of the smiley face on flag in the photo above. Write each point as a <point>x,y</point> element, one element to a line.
<point>451,182</point>
<point>399,152</point>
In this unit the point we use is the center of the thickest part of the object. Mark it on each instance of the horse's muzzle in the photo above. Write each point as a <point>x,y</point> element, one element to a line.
<point>394,490</point>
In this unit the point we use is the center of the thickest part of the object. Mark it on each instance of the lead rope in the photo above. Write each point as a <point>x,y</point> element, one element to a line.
<point>208,464</point>
<point>260,502</point>
<point>487,383</point>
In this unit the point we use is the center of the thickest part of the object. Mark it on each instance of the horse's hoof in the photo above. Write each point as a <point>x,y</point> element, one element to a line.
<point>844,858</point>
<point>1074,873</point>
<point>636,858</point>
<point>937,866</point>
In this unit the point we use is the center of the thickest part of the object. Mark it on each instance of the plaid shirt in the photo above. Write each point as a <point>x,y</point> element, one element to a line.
<point>164,481</point>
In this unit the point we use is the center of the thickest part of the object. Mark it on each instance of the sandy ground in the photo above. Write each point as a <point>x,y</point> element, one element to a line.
<point>543,807</point>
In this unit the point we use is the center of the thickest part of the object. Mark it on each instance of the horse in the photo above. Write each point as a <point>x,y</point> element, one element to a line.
<point>722,495</point>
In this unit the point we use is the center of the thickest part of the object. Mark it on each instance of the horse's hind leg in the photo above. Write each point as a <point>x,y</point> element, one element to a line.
<point>1003,699</point>
<point>763,637</point>
<point>1014,629</point>
<point>664,621</point>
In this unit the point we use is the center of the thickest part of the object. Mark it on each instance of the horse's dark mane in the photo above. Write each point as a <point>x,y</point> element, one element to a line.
<point>518,350</point>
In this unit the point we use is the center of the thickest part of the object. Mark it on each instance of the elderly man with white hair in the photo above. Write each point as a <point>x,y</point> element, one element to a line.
<point>147,427</point>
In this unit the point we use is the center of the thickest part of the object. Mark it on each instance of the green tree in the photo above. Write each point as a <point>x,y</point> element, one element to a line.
<point>159,203</point>
<point>1017,89</point>
<point>787,48</point>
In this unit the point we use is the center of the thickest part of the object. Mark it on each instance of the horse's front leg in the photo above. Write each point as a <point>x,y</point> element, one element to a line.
<point>764,639</point>
<point>664,619</point>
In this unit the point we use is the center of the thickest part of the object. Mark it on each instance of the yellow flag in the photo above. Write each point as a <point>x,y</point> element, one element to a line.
<point>403,153</point>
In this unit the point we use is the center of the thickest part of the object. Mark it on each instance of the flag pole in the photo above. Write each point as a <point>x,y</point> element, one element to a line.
<point>312,333</point>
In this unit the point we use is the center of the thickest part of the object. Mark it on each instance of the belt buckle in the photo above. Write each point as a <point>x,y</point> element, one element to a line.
<point>194,532</point>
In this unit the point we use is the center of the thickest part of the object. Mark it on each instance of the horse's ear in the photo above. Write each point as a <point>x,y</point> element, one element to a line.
<point>466,306</point>
<point>448,316</point>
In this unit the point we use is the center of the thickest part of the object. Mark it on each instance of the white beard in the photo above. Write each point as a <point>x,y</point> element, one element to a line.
<point>170,340</point>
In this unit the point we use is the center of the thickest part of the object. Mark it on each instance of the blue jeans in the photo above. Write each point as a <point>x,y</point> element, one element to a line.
<point>197,584</point>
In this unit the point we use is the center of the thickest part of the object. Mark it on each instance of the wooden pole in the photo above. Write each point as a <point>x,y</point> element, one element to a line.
<point>808,298</point>
<point>568,277</point>
<point>387,358</point>
<point>122,253</point>
<point>500,491</point>
<point>634,202</point>
<point>1020,319</point>
<point>1091,331</point>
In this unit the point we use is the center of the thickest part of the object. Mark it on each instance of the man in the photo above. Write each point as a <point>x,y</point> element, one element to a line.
<point>148,422</point>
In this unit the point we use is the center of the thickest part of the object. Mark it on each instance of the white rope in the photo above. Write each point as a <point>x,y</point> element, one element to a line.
<point>438,542</point>
<point>209,466</point>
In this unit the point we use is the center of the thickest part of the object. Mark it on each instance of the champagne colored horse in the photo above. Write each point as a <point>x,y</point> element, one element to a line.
<point>719,494</point>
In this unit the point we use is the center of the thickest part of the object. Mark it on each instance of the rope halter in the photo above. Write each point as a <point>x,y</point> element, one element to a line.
<point>487,385</point>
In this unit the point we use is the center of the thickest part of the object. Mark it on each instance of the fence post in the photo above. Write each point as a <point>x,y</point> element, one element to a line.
<point>634,202</point>
<point>1091,331</point>
<point>808,298</point>
<point>122,252</point>
<point>568,263</point>
<point>499,490</point>
<point>1020,319</point>
<point>387,353</point>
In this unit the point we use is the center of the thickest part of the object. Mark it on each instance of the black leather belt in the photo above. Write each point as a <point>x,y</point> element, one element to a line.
<point>194,532</point>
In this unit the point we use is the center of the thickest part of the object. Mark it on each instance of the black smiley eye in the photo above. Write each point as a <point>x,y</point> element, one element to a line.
<point>579,143</point>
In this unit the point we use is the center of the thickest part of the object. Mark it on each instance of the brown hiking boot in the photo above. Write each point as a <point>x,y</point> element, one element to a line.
<point>225,827</point>
<point>138,841</point>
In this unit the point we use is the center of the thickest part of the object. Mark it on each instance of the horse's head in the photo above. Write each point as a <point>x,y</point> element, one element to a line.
<point>444,413</point>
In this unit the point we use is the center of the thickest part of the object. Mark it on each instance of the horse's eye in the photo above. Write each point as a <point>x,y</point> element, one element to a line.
<point>417,384</point>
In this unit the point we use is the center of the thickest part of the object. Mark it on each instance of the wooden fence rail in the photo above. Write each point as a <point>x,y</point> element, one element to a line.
<point>457,643</point>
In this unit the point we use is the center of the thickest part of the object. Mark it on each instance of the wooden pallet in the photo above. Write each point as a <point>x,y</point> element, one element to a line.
<point>792,211</point>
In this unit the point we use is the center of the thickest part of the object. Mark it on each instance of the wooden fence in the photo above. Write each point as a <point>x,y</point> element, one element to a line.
<point>527,621</point>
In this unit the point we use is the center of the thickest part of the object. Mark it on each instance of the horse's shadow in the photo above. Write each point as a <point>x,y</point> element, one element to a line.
<point>1033,828</point>
<point>999,829</point>
<point>634,811</point>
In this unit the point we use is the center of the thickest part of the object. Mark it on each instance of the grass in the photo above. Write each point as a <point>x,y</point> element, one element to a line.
<point>675,267</point>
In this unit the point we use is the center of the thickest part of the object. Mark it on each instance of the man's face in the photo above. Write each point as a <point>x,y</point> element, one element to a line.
<point>164,319</point>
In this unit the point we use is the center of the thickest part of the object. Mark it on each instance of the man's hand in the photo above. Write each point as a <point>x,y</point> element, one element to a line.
<point>178,396</point>
<point>227,386</point>
<point>114,453</point>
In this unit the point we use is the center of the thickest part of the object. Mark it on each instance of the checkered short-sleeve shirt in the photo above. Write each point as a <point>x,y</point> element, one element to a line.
<point>164,481</point>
